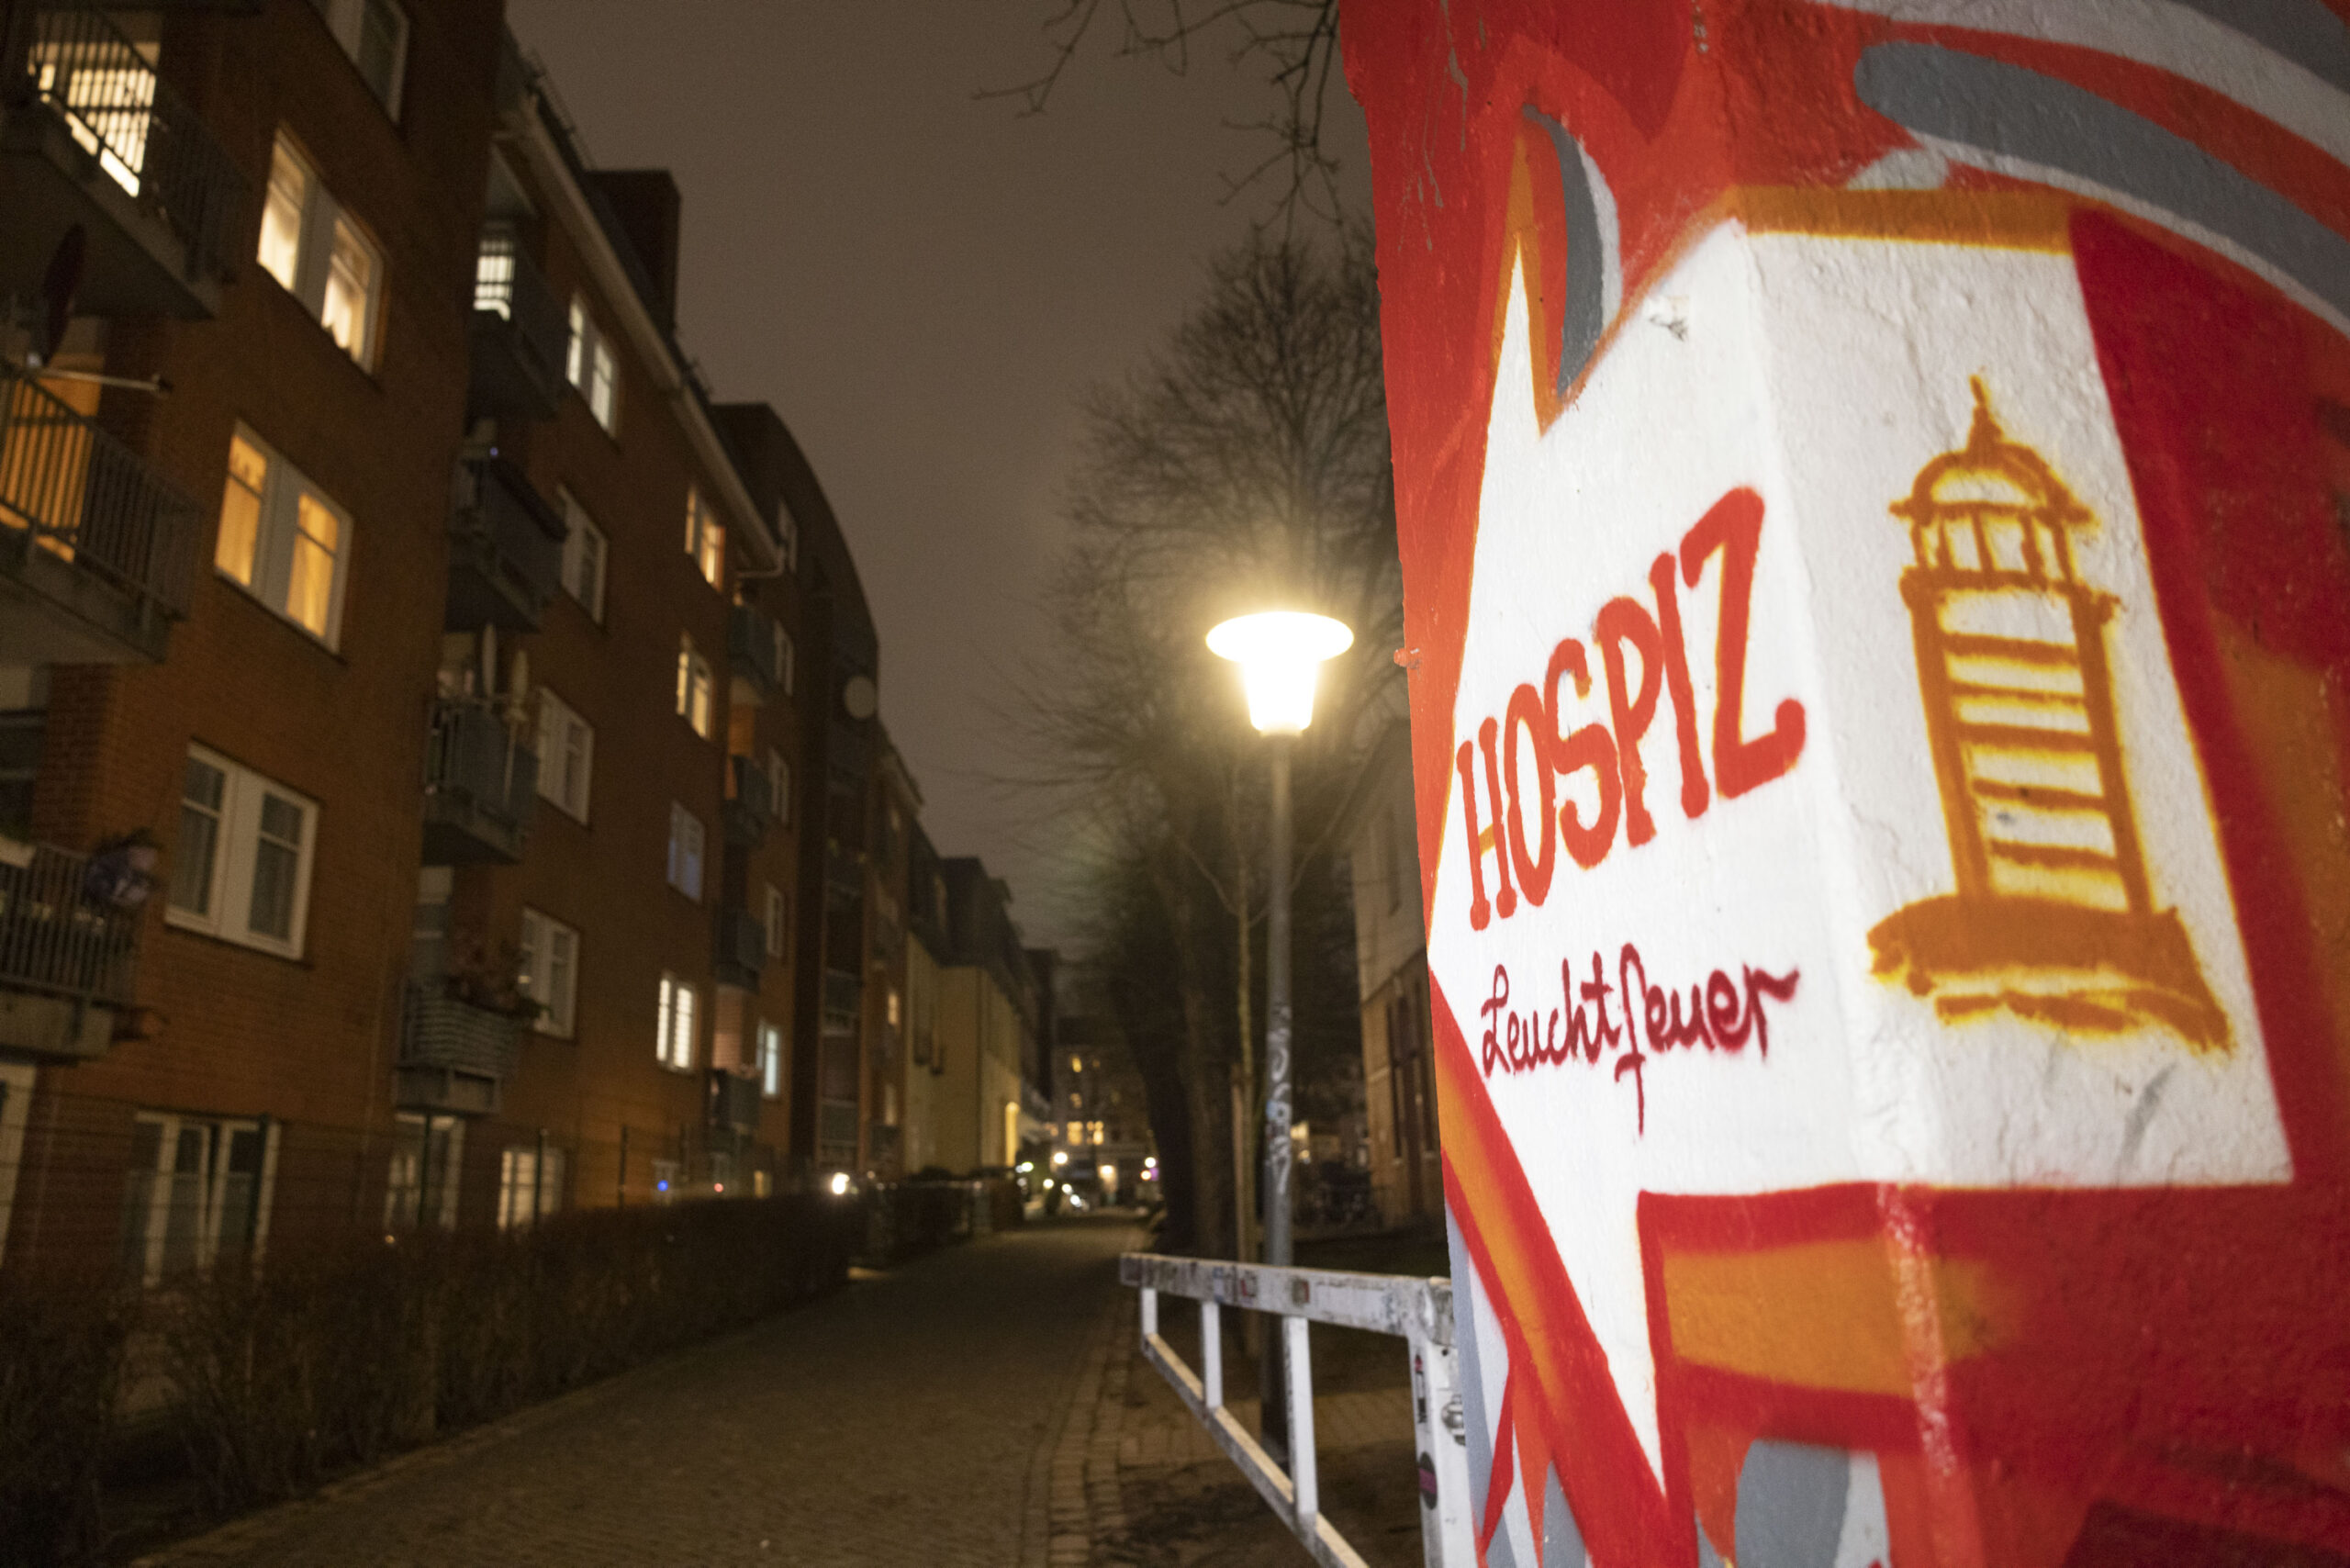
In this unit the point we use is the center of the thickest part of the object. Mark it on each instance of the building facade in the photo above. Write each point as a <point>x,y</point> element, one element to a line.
<point>360,518</point>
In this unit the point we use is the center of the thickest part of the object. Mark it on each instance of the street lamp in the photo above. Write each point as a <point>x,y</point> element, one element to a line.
<point>1279,653</point>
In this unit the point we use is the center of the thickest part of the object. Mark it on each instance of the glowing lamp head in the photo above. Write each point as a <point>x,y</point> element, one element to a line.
<point>840,1183</point>
<point>1280,653</point>
<point>1060,1157</point>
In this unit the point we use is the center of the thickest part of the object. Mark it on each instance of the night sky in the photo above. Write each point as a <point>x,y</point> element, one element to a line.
<point>922,285</point>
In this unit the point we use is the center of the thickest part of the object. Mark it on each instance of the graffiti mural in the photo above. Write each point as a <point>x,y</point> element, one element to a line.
<point>1871,482</point>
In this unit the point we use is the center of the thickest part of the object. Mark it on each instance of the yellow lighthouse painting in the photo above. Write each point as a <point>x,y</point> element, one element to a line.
<point>2052,920</point>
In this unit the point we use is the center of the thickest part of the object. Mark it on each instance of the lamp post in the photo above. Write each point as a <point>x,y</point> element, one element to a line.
<point>1279,653</point>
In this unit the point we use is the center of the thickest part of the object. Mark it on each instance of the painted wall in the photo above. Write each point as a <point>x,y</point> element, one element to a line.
<point>1872,487</point>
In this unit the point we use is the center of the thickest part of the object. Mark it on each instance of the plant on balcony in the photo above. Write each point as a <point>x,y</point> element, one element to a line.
<point>493,982</point>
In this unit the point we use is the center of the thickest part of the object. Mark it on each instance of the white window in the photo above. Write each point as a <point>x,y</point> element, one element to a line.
<point>771,1062</point>
<point>198,1190</point>
<point>281,540</point>
<point>705,539</point>
<point>778,921</point>
<point>679,1013</point>
<point>530,1184</point>
<point>583,557</point>
<point>550,966</point>
<point>428,1152</point>
<point>697,691</point>
<point>592,367</point>
<point>685,851</point>
<point>566,755</point>
<point>242,868</point>
<point>779,785</point>
<point>375,34</point>
<point>320,255</point>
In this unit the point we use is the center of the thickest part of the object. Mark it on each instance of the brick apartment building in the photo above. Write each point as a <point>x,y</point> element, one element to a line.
<point>380,591</point>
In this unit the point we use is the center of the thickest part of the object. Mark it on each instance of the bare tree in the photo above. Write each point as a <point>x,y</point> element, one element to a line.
<point>1293,42</point>
<point>1245,465</point>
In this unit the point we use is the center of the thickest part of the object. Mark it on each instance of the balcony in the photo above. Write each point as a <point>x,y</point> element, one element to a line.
<point>733,1101</point>
<point>753,655</point>
<point>520,333</point>
<point>844,870</point>
<point>750,804</point>
<point>454,1054</point>
<point>96,546</point>
<point>481,784</point>
<point>843,999</point>
<point>68,952</point>
<point>92,137</point>
<point>742,947</point>
<point>505,549</point>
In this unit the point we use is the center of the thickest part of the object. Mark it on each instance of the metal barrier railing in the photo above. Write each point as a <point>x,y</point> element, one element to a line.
<point>145,136</point>
<point>86,497</point>
<point>1417,1311</point>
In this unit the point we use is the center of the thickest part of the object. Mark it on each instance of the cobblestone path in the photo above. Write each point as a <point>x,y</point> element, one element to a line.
<point>910,1419</point>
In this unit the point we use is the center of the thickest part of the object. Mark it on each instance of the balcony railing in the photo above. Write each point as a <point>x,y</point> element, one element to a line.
<point>520,333</point>
<point>82,509</point>
<point>742,946</point>
<point>505,548</point>
<point>454,1054</point>
<point>733,1101</point>
<point>62,932</point>
<point>481,785</point>
<point>754,652</point>
<point>750,804</point>
<point>128,123</point>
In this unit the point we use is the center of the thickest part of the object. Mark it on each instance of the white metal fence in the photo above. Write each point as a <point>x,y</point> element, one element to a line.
<point>1417,1311</point>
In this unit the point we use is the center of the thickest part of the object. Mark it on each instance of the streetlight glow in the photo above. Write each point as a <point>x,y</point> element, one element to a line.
<point>1279,653</point>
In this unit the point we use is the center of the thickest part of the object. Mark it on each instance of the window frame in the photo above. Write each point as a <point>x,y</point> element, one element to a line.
<point>770,1060</point>
<point>278,536</point>
<point>777,920</point>
<point>346,22</point>
<point>323,225</point>
<point>590,365</point>
<point>559,723</point>
<point>705,537</point>
<point>443,1185</point>
<point>542,937</point>
<point>779,785</point>
<point>153,1238</point>
<point>547,1167</point>
<point>236,849</point>
<point>578,526</point>
<point>678,1023</point>
<point>686,861</point>
<point>697,689</point>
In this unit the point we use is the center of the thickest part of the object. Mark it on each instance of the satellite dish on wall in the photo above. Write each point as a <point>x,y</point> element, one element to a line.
<point>860,697</point>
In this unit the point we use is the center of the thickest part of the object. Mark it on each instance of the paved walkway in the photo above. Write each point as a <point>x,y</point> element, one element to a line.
<point>917,1418</point>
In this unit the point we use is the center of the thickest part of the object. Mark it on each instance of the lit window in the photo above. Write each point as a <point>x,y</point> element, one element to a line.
<point>583,557</point>
<point>427,1153</point>
<point>242,870</point>
<point>705,538</point>
<point>590,366</point>
<point>675,1043</point>
<point>892,1008</point>
<point>530,1184</point>
<point>550,967</point>
<point>685,851</point>
<point>777,922</point>
<point>198,1191</point>
<point>566,755</point>
<point>319,254</point>
<point>375,34</point>
<point>696,701</point>
<point>771,1062</point>
<point>280,539</point>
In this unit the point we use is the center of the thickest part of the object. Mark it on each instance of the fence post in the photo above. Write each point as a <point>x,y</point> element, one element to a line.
<point>1211,1351</point>
<point>1301,1424</point>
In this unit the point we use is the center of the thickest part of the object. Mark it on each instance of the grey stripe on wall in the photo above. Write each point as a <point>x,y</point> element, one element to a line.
<point>1586,313</point>
<point>2303,31</point>
<point>1975,102</point>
